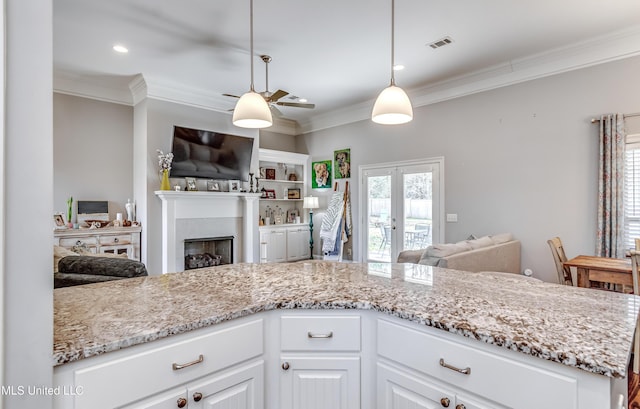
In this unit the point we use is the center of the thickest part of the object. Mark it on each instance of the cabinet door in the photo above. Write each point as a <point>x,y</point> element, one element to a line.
<point>297,244</point>
<point>320,383</point>
<point>273,246</point>
<point>397,390</point>
<point>171,399</point>
<point>239,388</point>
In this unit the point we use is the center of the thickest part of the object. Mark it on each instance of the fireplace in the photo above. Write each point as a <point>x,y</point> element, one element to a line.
<point>208,252</point>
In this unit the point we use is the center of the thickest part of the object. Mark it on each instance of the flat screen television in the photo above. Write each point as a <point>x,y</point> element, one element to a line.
<point>210,155</point>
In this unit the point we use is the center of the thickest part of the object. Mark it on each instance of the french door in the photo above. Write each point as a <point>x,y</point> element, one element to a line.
<point>401,207</point>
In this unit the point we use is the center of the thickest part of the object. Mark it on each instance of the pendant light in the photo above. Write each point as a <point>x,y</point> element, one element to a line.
<point>252,111</point>
<point>392,106</point>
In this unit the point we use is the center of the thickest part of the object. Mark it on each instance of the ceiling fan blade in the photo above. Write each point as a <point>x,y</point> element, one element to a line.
<point>275,111</point>
<point>278,94</point>
<point>229,95</point>
<point>295,104</point>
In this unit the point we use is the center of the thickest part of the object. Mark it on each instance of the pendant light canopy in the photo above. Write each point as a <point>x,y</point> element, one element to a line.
<point>393,105</point>
<point>252,111</point>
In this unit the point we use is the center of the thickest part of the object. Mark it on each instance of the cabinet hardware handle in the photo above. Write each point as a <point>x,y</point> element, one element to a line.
<point>465,371</point>
<point>115,240</point>
<point>78,243</point>
<point>198,396</point>
<point>182,402</point>
<point>285,365</point>
<point>461,406</point>
<point>312,335</point>
<point>445,402</point>
<point>182,366</point>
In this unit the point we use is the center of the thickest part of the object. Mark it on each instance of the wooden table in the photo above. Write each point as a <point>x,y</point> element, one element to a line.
<point>601,269</point>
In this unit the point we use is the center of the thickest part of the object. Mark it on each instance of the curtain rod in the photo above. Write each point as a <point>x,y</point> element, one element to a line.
<point>594,120</point>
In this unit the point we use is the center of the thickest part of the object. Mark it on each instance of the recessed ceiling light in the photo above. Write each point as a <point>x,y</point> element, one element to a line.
<point>398,67</point>
<point>303,100</point>
<point>120,49</point>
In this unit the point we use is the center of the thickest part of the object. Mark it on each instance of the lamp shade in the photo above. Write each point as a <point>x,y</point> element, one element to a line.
<point>310,202</point>
<point>252,111</point>
<point>392,107</point>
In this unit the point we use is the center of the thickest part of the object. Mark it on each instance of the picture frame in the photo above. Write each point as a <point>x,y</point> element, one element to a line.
<point>277,220</point>
<point>293,193</point>
<point>58,220</point>
<point>271,194</point>
<point>213,186</point>
<point>191,184</point>
<point>321,174</point>
<point>234,186</point>
<point>342,164</point>
<point>270,173</point>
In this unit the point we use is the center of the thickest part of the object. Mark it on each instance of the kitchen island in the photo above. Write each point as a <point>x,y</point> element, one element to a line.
<point>579,338</point>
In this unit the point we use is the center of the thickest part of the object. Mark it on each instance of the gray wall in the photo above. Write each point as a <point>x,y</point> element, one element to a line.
<point>277,141</point>
<point>27,192</point>
<point>93,152</point>
<point>520,159</point>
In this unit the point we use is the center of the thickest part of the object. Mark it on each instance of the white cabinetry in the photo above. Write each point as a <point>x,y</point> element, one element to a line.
<point>284,243</point>
<point>320,362</point>
<point>222,365</point>
<point>116,240</point>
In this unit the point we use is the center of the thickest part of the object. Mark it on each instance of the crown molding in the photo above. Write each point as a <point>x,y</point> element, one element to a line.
<point>614,46</point>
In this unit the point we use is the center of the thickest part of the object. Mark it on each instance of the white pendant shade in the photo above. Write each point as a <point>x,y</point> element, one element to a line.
<point>392,107</point>
<point>252,111</point>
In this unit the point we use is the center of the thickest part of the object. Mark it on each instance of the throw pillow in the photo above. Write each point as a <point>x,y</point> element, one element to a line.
<point>501,238</point>
<point>480,243</point>
<point>59,253</point>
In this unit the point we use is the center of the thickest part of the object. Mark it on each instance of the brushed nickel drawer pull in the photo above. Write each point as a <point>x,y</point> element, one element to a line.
<point>312,335</point>
<point>465,371</point>
<point>182,366</point>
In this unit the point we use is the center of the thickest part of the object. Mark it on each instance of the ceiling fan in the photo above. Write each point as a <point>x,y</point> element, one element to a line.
<point>273,99</point>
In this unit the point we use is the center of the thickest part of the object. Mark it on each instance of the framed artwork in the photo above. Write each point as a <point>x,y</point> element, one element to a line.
<point>213,186</point>
<point>321,174</point>
<point>234,186</point>
<point>342,164</point>
<point>270,173</point>
<point>58,220</point>
<point>191,184</point>
<point>293,193</point>
<point>270,193</point>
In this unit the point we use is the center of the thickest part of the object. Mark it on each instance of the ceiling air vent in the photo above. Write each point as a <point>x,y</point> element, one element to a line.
<point>441,42</point>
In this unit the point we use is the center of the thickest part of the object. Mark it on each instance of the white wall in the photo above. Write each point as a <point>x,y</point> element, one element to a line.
<point>520,159</point>
<point>161,116</point>
<point>28,191</point>
<point>92,153</point>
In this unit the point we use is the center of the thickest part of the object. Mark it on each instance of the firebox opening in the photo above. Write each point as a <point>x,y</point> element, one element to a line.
<point>208,252</point>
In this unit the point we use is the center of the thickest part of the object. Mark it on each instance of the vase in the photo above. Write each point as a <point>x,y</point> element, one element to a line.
<point>164,184</point>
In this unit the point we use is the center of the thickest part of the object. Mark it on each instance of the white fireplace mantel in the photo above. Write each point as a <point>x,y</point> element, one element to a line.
<point>206,205</point>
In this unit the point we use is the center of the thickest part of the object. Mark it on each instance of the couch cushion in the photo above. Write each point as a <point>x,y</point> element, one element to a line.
<point>501,238</point>
<point>484,241</point>
<point>104,266</point>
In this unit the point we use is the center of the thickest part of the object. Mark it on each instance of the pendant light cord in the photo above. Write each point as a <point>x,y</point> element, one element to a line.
<point>393,79</point>
<point>251,42</point>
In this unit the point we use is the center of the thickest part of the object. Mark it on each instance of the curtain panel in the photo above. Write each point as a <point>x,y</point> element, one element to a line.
<point>610,234</point>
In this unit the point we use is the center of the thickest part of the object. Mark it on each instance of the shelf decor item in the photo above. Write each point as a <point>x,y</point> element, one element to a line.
<point>69,211</point>
<point>270,174</point>
<point>164,160</point>
<point>293,193</point>
<point>310,202</point>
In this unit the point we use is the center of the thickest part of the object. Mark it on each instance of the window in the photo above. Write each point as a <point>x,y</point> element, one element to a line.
<point>632,191</point>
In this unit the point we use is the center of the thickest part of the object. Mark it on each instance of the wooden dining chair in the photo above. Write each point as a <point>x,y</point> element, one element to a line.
<point>557,250</point>
<point>635,260</point>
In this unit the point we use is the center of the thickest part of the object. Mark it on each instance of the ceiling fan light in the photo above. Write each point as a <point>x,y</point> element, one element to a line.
<point>252,111</point>
<point>392,107</point>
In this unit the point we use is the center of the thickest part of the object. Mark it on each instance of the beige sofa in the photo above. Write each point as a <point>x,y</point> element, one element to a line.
<point>500,252</point>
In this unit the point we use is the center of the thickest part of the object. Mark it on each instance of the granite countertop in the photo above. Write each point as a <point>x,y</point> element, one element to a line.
<point>588,329</point>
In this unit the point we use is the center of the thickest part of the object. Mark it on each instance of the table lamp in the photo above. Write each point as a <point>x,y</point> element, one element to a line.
<point>310,202</point>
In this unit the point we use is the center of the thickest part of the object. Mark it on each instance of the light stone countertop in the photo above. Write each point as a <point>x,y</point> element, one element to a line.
<point>588,329</point>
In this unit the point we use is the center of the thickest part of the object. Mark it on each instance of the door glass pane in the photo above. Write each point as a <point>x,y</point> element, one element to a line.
<point>418,207</point>
<point>379,197</point>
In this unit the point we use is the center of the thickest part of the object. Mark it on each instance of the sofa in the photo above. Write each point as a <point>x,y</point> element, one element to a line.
<point>72,268</point>
<point>500,252</point>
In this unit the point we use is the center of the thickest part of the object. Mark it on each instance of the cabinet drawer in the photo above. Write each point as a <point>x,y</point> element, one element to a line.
<point>115,240</point>
<point>507,381</point>
<point>320,333</point>
<point>78,241</point>
<point>142,374</point>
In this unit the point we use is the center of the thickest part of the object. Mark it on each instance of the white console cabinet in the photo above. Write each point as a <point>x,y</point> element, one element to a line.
<point>284,243</point>
<point>114,240</point>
